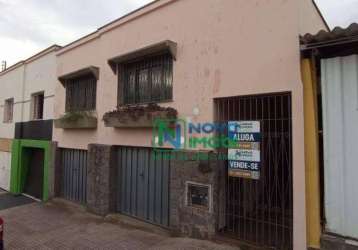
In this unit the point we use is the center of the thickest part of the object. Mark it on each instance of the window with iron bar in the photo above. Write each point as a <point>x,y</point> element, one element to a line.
<point>81,93</point>
<point>37,106</point>
<point>8,110</point>
<point>146,80</point>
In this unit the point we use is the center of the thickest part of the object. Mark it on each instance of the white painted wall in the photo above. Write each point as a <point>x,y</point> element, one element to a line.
<point>40,76</point>
<point>11,86</point>
<point>5,163</point>
<point>340,125</point>
<point>21,82</point>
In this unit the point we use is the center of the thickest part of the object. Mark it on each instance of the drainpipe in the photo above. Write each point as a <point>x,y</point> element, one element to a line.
<point>23,93</point>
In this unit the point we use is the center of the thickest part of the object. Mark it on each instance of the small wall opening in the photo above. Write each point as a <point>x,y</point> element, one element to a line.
<point>198,195</point>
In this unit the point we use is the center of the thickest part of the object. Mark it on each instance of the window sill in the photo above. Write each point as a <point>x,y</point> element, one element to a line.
<point>77,120</point>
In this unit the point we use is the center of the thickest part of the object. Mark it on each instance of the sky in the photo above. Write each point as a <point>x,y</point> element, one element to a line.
<point>339,12</point>
<point>29,26</point>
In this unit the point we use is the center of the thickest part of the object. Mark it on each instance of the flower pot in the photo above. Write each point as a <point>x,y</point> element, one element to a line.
<point>77,120</point>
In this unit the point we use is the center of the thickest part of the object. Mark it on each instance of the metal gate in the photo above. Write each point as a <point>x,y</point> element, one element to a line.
<point>144,184</point>
<point>261,211</point>
<point>74,174</point>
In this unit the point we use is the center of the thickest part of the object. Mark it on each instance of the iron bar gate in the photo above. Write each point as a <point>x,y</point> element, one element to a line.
<point>74,174</point>
<point>261,211</point>
<point>144,184</point>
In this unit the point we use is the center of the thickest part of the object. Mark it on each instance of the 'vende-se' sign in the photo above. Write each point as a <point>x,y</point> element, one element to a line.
<point>244,159</point>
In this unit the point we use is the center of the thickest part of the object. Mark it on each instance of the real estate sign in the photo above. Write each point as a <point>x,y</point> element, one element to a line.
<point>245,157</point>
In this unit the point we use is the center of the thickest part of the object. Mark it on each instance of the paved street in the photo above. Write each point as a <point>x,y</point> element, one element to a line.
<point>58,225</point>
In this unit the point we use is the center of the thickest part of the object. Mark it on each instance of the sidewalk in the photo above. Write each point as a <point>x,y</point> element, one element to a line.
<point>59,226</point>
<point>8,200</point>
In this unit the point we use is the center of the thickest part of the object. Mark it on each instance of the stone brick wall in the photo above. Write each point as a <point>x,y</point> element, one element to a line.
<point>101,179</point>
<point>53,167</point>
<point>102,188</point>
<point>191,221</point>
<point>58,172</point>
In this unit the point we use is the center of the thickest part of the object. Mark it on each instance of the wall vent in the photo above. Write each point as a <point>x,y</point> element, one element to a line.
<point>198,195</point>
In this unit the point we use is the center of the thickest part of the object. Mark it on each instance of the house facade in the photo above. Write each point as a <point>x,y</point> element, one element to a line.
<point>232,61</point>
<point>27,99</point>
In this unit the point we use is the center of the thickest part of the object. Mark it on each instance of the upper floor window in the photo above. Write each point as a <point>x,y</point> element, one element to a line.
<point>8,110</point>
<point>81,93</point>
<point>37,106</point>
<point>147,80</point>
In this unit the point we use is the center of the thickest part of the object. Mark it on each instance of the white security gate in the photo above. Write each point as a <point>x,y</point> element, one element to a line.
<point>5,166</point>
<point>340,134</point>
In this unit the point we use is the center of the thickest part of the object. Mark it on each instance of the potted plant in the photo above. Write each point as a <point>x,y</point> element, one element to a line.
<point>77,119</point>
<point>137,116</point>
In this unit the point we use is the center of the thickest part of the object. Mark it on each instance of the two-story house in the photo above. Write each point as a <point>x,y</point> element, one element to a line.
<point>26,113</point>
<point>163,77</point>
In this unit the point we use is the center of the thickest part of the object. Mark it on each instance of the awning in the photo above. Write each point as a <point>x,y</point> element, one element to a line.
<point>91,70</point>
<point>338,42</point>
<point>337,33</point>
<point>163,46</point>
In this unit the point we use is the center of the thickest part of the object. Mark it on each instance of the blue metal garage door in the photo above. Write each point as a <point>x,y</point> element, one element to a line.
<point>74,174</point>
<point>144,184</point>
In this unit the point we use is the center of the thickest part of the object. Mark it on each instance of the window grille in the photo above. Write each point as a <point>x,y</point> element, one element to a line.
<point>81,94</point>
<point>147,80</point>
